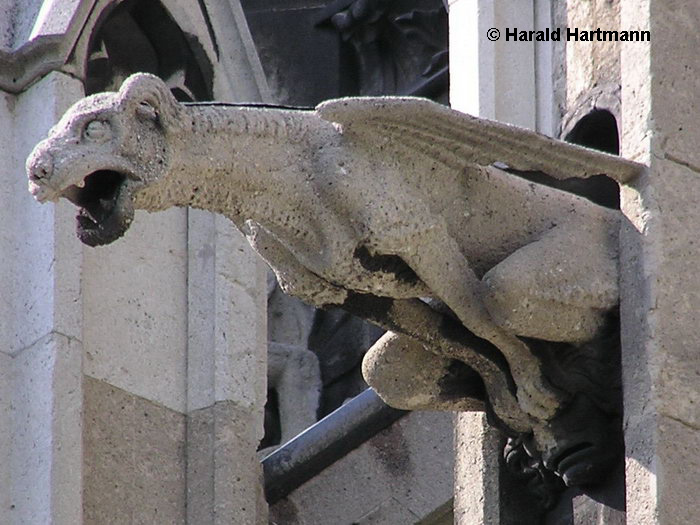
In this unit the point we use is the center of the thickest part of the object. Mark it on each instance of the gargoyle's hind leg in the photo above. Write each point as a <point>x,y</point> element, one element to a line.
<point>559,287</point>
<point>439,263</point>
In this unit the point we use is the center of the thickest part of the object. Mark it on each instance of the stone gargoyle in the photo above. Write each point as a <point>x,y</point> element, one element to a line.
<point>393,209</point>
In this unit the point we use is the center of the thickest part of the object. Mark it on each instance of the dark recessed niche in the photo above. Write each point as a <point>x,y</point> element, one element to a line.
<point>597,130</point>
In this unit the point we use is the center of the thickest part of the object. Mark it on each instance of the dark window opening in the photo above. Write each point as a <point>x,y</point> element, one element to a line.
<point>597,130</point>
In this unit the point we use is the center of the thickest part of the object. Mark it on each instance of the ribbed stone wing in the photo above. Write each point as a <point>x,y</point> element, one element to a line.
<point>455,138</point>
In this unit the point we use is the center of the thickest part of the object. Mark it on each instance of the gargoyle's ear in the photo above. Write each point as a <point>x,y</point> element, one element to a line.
<point>147,95</point>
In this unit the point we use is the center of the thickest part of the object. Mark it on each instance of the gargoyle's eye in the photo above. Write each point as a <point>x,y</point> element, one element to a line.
<point>146,110</point>
<point>97,130</point>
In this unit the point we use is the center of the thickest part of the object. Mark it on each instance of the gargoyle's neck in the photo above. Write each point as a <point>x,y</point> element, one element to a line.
<point>230,160</point>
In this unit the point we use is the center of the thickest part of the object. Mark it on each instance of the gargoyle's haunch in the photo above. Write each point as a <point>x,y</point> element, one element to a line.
<point>370,204</point>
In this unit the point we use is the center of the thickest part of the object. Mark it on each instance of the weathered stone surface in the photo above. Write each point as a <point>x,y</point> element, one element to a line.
<point>226,376</point>
<point>134,458</point>
<point>40,272</point>
<point>153,300</point>
<point>591,64</point>
<point>221,461</point>
<point>37,37</point>
<point>41,411</point>
<point>46,310</point>
<point>40,396</point>
<point>413,379</point>
<point>6,477</point>
<point>226,322</point>
<point>477,473</point>
<point>661,296</point>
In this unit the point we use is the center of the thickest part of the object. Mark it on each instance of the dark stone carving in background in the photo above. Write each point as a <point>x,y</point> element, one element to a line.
<point>398,47</point>
<point>143,37</point>
<point>301,61</point>
<point>312,51</point>
<point>340,340</point>
<point>589,425</point>
<point>540,482</point>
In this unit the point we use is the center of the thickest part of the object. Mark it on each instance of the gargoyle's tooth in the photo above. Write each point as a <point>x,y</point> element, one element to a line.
<point>80,183</point>
<point>72,194</point>
<point>90,213</point>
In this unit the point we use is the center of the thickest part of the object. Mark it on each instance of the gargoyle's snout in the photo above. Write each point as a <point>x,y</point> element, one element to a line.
<point>39,171</point>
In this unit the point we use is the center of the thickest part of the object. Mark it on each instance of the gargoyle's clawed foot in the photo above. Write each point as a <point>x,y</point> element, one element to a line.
<point>540,482</point>
<point>537,397</point>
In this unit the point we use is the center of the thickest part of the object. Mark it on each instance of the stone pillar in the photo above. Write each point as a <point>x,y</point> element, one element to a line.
<point>660,250</point>
<point>496,80</point>
<point>41,394</point>
<point>132,376</point>
<point>227,325</point>
<point>227,370</point>
<point>492,79</point>
<point>477,470</point>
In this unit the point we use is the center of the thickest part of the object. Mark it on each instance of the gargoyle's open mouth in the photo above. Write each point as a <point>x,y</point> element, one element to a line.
<point>105,211</point>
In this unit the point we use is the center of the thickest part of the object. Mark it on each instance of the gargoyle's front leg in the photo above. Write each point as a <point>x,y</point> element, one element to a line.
<point>293,277</point>
<point>411,317</point>
<point>438,261</point>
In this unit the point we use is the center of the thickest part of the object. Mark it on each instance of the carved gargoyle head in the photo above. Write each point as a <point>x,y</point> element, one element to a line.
<point>98,155</point>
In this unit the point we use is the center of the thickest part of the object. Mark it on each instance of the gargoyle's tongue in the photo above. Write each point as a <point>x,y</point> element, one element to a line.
<point>105,210</point>
<point>112,222</point>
